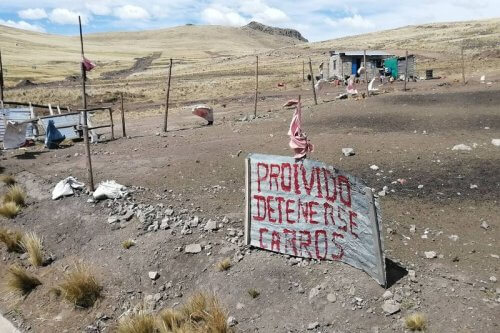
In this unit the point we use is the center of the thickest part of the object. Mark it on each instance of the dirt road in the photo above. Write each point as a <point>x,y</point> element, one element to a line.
<point>199,171</point>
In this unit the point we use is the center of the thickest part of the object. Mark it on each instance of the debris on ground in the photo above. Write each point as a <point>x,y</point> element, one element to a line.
<point>462,147</point>
<point>109,189</point>
<point>495,142</point>
<point>348,151</point>
<point>66,187</point>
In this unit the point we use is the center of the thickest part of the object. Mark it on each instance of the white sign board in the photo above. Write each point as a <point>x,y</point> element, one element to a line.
<point>312,210</point>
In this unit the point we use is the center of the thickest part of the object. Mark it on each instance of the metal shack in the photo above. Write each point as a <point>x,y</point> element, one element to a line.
<point>346,63</point>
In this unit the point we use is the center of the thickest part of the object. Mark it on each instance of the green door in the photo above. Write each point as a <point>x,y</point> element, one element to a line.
<point>392,63</point>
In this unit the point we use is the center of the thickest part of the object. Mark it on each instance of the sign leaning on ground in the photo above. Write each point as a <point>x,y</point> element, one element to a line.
<point>312,210</point>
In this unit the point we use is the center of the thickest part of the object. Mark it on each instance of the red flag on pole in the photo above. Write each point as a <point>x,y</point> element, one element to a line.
<point>298,139</point>
<point>87,64</point>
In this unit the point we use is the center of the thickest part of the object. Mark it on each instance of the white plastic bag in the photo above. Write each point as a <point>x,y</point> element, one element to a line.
<point>109,189</point>
<point>65,188</point>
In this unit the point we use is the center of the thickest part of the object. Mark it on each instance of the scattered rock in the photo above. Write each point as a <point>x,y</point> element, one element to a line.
<point>453,238</point>
<point>430,254</point>
<point>331,298</point>
<point>313,326</point>
<point>495,142</point>
<point>153,275</point>
<point>461,147</point>
<point>113,219</point>
<point>485,225</point>
<point>313,292</point>
<point>420,186</point>
<point>387,295</point>
<point>374,167</point>
<point>231,322</point>
<point>348,151</point>
<point>391,306</point>
<point>169,212</point>
<point>210,226</point>
<point>493,279</point>
<point>193,248</point>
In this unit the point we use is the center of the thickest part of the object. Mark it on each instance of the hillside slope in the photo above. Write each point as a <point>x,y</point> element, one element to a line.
<point>45,57</point>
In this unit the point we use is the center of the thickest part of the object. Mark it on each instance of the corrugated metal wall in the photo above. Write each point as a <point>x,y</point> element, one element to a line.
<point>18,115</point>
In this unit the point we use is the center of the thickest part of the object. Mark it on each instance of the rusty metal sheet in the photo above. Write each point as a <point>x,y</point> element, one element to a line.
<point>312,210</point>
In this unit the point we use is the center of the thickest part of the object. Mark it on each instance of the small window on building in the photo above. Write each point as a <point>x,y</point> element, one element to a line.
<point>335,65</point>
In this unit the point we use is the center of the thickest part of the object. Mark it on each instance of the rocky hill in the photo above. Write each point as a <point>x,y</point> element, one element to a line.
<point>275,31</point>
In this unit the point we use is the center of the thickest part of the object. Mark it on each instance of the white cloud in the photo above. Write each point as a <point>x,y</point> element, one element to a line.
<point>33,14</point>
<point>222,16</point>
<point>131,12</point>
<point>98,8</point>
<point>66,16</point>
<point>355,22</point>
<point>22,25</point>
<point>271,16</point>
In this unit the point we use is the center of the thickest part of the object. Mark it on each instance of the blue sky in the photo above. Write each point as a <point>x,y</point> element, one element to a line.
<point>315,19</point>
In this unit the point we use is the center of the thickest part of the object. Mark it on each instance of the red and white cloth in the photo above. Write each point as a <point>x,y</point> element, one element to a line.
<point>87,64</point>
<point>204,111</point>
<point>298,139</point>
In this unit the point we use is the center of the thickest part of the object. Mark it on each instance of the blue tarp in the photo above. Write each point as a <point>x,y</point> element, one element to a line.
<point>53,136</point>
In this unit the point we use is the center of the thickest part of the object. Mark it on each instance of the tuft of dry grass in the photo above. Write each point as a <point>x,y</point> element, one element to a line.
<point>9,180</point>
<point>224,265</point>
<point>137,323</point>
<point>416,322</point>
<point>32,244</point>
<point>253,293</point>
<point>15,194</point>
<point>12,239</point>
<point>202,313</point>
<point>170,320</point>
<point>128,243</point>
<point>80,287</point>
<point>19,281</point>
<point>9,210</point>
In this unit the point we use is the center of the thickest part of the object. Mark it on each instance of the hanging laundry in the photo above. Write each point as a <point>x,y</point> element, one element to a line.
<point>87,64</point>
<point>53,136</point>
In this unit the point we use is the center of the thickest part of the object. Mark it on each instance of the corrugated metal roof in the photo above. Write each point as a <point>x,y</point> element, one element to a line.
<point>62,120</point>
<point>17,115</point>
<point>361,53</point>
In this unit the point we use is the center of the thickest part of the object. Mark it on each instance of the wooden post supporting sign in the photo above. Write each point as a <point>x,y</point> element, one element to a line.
<point>1,77</point>
<point>165,122</point>
<point>312,82</point>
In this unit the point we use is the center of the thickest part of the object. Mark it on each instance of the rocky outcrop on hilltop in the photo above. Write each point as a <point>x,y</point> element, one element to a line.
<point>275,31</point>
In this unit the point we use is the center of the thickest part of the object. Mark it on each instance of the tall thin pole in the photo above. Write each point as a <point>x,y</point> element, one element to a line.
<point>256,85</point>
<point>463,65</point>
<point>165,122</point>
<point>303,71</point>
<point>312,82</point>
<point>366,73</point>
<point>1,77</point>
<point>406,69</point>
<point>123,116</point>
<point>85,124</point>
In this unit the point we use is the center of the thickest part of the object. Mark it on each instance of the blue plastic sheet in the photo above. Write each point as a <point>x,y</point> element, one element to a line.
<point>53,136</point>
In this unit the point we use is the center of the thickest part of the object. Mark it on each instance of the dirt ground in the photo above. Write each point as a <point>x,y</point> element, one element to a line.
<point>199,171</point>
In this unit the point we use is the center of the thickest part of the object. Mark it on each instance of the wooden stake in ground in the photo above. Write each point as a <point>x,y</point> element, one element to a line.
<point>463,65</point>
<point>406,69</point>
<point>312,81</point>
<point>165,122</point>
<point>303,71</point>
<point>85,124</point>
<point>1,77</point>
<point>366,73</point>
<point>123,116</point>
<point>256,86</point>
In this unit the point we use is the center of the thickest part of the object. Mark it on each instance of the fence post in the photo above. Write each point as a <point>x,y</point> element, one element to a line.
<point>366,73</point>
<point>165,123</point>
<point>406,69</point>
<point>123,116</point>
<point>312,82</point>
<point>256,85</point>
